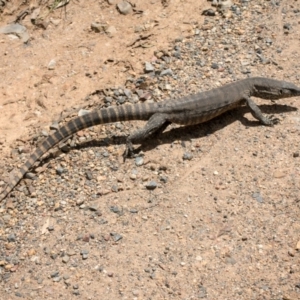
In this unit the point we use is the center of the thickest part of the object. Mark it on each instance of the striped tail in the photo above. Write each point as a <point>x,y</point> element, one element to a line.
<point>140,111</point>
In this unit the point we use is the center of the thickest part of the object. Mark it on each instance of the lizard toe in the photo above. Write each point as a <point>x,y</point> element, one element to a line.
<point>274,120</point>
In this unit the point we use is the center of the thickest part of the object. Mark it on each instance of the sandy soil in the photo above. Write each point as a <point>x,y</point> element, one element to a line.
<point>223,225</point>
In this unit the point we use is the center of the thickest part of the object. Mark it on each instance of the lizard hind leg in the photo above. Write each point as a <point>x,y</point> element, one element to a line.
<point>155,125</point>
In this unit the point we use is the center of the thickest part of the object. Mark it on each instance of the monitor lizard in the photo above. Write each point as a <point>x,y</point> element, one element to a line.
<point>188,110</point>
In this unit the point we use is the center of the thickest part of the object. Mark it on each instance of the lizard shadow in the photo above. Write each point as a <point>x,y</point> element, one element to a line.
<point>186,133</point>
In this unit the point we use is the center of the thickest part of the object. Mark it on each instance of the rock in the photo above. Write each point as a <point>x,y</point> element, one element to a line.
<point>124,8</point>
<point>65,259</point>
<point>268,41</point>
<point>187,156</point>
<point>279,174</point>
<point>163,179</point>
<point>83,112</point>
<point>116,237</point>
<point>209,12</point>
<point>226,4</point>
<point>71,252</point>
<point>99,27</point>
<point>89,175</point>
<point>30,175</point>
<point>54,126</point>
<point>60,170</point>
<point>55,21</point>
<point>17,29</point>
<point>132,176</point>
<point>258,197</point>
<point>151,185</point>
<point>222,3</point>
<point>214,66</point>
<point>115,209</point>
<point>11,237</point>
<point>110,30</point>
<point>149,67</point>
<point>166,72</point>
<point>84,254</point>
<point>51,64</point>
<point>13,28</point>
<point>139,161</point>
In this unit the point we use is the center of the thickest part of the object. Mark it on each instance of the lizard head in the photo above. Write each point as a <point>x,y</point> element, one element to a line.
<point>276,89</point>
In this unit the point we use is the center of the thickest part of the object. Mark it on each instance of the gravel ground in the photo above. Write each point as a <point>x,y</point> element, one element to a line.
<point>203,212</point>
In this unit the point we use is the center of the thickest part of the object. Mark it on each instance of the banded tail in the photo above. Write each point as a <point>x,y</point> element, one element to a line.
<point>140,111</point>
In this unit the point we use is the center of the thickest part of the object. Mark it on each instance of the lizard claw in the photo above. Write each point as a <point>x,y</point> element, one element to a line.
<point>270,120</point>
<point>273,119</point>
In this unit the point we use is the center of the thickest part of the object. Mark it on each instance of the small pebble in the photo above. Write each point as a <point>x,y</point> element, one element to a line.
<point>151,185</point>
<point>124,8</point>
<point>52,64</point>
<point>149,67</point>
<point>187,156</point>
<point>139,161</point>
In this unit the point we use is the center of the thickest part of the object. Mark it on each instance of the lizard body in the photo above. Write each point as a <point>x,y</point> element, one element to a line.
<point>188,110</point>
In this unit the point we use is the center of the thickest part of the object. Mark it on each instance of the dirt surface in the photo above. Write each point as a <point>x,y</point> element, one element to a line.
<point>204,212</point>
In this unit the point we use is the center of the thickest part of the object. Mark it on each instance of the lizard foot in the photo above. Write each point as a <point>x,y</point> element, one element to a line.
<point>129,151</point>
<point>270,120</point>
<point>273,120</point>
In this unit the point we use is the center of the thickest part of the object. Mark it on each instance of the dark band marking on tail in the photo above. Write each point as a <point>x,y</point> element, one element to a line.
<point>104,116</point>
<point>138,111</point>
<point>116,113</point>
<point>28,163</point>
<point>58,135</point>
<point>129,111</point>
<point>39,151</point>
<point>46,144</point>
<point>34,156</point>
<point>89,120</point>
<point>122,113</point>
<point>81,121</point>
<point>113,114</point>
<point>51,140</point>
<point>74,124</point>
<point>65,131</point>
<point>151,107</point>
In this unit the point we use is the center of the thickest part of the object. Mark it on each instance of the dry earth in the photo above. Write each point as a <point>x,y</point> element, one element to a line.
<point>222,224</point>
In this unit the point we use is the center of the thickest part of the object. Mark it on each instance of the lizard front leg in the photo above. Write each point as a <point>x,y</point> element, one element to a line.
<point>155,125</point>
<point>257,114</point>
